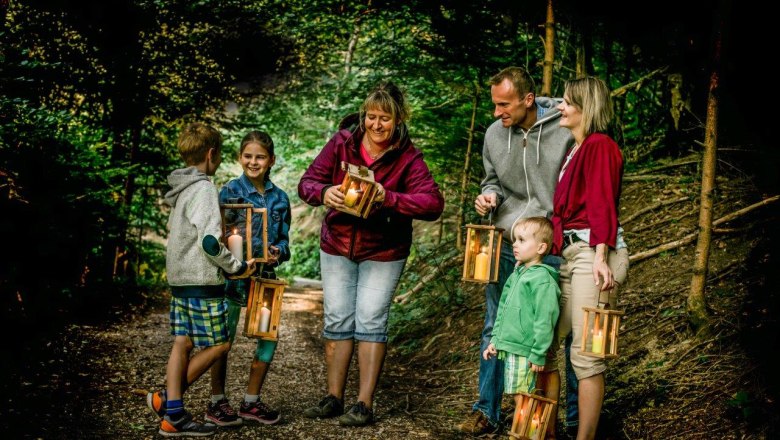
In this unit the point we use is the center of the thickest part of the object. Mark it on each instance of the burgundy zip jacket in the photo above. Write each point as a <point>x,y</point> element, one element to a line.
<point>410,193</point>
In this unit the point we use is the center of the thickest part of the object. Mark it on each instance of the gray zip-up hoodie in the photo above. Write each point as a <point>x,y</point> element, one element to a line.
<point>522,166</point>
<point>195,257</point>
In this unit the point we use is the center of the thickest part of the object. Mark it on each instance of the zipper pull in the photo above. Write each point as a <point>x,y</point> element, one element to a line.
<point>525,141</point>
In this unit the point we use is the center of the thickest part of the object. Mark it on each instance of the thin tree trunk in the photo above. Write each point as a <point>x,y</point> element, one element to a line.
<point>121,252</point>
<point>580,67</point>
<point>549,51</point>
<point>348,57</point>
<point>697,305</point>
<point>467,165</point>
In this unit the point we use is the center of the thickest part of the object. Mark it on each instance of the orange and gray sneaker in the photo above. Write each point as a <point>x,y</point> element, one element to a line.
<point>156,402</point>
<point>185,427</point>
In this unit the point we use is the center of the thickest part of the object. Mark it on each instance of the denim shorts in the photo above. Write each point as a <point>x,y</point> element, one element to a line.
<point>357,297</point>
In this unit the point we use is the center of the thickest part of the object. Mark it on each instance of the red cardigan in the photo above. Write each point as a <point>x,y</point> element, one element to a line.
<point>410,193</point>
<point>588,194</point>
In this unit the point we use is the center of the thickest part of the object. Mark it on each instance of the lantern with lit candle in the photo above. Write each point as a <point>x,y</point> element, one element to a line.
<point>359,189</point>
<point>264,308</point>
<point>531,417</point>
<point>237,230</point>
<point>483,252</point>
<point>600,332</point>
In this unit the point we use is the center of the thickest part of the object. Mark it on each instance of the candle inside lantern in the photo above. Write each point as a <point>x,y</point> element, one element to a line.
<point>236,245</point>
<point>598,342</point>
<point>482,265</point>
<point>534,427</point>
<point>352,195</point>
<point>265,318</point>
<point>598,339</point>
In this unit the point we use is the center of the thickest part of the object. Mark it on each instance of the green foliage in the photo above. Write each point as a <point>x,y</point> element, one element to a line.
<point>743,406</point>
<point>304,261</point>
<point>94,95</point>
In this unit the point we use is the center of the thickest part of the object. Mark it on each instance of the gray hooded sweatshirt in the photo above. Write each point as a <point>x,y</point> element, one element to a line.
<point>522,166</point>
<point>195,257</point>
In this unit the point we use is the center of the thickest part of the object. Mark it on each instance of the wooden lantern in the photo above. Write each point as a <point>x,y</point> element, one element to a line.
<point>237,230</point>
<point>264,308</point>
<point>359,189</point>
<point>483,253</point>
<point>600,333</point>
<point>531,417</point>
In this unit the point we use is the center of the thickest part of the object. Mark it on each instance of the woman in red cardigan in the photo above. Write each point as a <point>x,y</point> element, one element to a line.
<point>587,233</point>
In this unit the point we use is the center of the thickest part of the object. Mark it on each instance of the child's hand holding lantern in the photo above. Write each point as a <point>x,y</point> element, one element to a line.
<point>250,269</point>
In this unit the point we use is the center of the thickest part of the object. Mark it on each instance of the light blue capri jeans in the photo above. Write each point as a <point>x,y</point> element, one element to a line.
<point>357,297</point>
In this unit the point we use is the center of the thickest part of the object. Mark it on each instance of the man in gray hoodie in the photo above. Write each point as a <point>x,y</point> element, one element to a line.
<point>522,155</point>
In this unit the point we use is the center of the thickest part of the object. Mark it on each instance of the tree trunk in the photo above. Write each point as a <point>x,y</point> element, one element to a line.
<point>348,56</point>
<point>697,305</point>
<point>122,254</point>
<point>467,166</point>
<point>549,51</point>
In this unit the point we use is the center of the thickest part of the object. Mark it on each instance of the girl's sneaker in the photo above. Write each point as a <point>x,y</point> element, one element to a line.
<point>259,412</point>
<point>222,414</point>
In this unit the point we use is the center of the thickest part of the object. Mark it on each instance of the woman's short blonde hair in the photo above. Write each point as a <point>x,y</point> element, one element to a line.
<point>387,97</point>
<point>591,96</point>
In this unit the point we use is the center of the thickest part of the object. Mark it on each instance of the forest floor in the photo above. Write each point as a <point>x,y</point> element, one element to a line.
<point>88,381</point>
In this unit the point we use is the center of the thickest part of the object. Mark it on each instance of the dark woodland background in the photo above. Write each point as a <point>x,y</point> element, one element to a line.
<point>93,95</point>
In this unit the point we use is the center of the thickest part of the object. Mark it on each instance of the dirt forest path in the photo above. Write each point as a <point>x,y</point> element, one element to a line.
<point>92,389</point>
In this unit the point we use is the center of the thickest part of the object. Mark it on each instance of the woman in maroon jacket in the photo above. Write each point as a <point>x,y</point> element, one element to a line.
<point>587,233</point>
<point>361,260</point>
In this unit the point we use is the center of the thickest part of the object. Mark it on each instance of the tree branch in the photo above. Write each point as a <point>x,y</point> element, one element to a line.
<point>692,236</point>
<point>403,298</point>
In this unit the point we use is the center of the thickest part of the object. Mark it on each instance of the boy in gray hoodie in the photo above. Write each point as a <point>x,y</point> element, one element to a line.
<point>195,262</point>
<point>522,156</point>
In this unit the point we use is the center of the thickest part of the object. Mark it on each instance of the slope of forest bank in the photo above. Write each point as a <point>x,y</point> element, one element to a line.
<point>666,382</point>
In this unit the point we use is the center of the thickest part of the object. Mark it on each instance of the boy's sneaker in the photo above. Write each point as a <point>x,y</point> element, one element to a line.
<point>185,427</point>
<point>259,412</point>
<point>358,415</point>
<point>156,402</point>
<point>222,414</point>
<point>330,406</point>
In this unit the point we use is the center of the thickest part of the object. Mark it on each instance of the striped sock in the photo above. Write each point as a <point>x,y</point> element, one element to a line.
<point>175,409</point>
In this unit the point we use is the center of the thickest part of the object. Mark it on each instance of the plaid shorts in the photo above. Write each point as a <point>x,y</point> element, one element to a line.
<point>204,320</point>
<point>518,376</point>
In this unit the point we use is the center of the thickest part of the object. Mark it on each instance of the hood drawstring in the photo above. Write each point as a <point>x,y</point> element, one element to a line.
<point>538,141</point>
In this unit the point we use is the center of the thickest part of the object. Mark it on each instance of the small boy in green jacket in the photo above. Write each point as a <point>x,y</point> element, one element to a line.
<point>528,309</point>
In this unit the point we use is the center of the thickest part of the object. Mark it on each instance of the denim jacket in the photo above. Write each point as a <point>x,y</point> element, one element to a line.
<point>241,190</point>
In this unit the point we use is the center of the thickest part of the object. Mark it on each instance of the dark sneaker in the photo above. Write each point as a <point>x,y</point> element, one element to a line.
<point>358,415</point>
<point>328,407</point>
<point>222,414</point>
<point>476,423</point>
<point>156,402</point>
<point>259,412</point>
<point>185,427</point>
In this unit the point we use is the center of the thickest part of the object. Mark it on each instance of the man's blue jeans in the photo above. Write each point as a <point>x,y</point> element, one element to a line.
<point>572,388</point>
<point>491,371</point>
